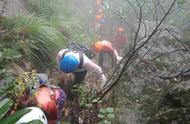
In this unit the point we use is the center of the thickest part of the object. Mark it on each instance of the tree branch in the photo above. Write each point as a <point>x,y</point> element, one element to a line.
<point>126,63</point>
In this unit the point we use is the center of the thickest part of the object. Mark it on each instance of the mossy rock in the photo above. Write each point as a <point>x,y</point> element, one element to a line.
<point>175,106</point>
<point>178,96</point>
<point>168,115</point>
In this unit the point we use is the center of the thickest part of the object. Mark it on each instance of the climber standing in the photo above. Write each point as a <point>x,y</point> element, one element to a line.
<point>120,39</point>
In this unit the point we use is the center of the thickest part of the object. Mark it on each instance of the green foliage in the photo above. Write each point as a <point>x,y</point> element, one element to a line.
<point>36,40</point>
<point>8,51</point>
<point>73,28</point>
<point>5,105</point>
<point>7,82</point>
<point>81,93</point>
<point>9,54</point>
<point>15,117</point>
<point>106,115</point>
<point>49,8</point>
<point>46,8</point>
<point>7,87</point>
<point>61,17</point>
<point>182,1</point>
<point>85,98</point>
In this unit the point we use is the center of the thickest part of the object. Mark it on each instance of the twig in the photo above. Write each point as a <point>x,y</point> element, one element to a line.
<point>126,64</point>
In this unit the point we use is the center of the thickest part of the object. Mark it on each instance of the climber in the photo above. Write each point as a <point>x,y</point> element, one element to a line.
<point>51,101</point>
<point>120,40</point>
<point>36,92</point>
<point>105,47</point>
<point>35,114</point>
<point>78,63</point>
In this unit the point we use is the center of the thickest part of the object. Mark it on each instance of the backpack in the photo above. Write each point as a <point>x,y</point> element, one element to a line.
<point>81,48</point>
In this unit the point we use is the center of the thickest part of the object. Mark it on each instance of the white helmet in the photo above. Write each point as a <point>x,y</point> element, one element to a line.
<point>35,114</point>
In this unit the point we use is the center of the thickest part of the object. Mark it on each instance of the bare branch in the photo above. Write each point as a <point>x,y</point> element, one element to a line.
<point>139,25</point>
<point>177,39</point>
<point>132,6</point>
<point>182,76</point>
<point>123,19</point>
<point>131,55</point>
<point>168,53</point>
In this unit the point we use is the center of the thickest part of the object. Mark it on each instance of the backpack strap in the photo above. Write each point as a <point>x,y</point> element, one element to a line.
<point>66,51</point>
<point>81,60</point>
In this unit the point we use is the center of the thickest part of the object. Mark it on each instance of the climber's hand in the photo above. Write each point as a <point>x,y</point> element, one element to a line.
<point>118,60</point>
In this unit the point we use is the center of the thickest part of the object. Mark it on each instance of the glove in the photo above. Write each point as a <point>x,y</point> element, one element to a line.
<point>118,60</point>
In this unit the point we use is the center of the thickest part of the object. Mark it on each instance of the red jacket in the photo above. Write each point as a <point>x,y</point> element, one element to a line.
<point>120,41</point>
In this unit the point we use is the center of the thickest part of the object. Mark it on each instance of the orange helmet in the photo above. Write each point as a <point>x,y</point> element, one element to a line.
<point>99,16</point>
<point>106,43</point>
<point>120,29</point>
<point>97,46</point>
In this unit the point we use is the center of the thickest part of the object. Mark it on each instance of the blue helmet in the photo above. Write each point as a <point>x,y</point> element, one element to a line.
<point>42,78</point>
<point>69,63</point>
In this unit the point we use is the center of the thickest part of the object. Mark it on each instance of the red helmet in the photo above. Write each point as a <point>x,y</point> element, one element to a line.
<point>120,29</point>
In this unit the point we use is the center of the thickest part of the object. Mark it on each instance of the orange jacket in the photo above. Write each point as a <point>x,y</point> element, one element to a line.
<point>103,46</point>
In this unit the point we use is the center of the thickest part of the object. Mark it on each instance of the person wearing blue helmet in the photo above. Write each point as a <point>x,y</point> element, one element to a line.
<point>69,63</point>
<point>76,62</point>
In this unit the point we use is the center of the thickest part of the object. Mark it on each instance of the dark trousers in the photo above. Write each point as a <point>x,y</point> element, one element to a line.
<point>102,58</point>
<point>79,76</point>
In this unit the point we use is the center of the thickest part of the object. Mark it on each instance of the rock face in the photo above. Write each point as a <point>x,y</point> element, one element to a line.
<point>164,31</point>
<point>13,7</point>
<point>175,107</point>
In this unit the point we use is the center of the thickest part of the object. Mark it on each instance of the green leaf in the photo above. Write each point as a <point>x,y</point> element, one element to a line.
<point>102,110</point>
<point>101,116</point>
<point>15,117</point>
<point>109,110</point>
<point>107,122</point>
<point>5,105</point>
<point>82,103</point>
<point>66,122</point>
<point>95,101</point>
<point>34,122</point>
<point>101,122</point>
<point>111,116</point>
